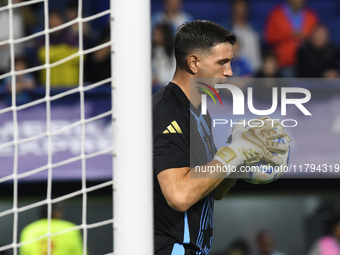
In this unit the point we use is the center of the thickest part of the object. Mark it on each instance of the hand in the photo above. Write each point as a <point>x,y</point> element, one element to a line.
<point>263,138</point>
<point>250,145</point>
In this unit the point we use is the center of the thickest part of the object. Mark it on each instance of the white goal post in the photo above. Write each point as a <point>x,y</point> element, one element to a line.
<point>41,136</point>
<point>131,68</point>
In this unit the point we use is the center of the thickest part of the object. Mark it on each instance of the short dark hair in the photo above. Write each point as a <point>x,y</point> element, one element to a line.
<point>199,35</point>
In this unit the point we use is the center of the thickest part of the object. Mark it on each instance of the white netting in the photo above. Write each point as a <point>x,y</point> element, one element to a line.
<point>39,143</point>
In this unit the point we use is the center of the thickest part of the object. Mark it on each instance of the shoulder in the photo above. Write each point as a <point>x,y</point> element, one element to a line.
<point>277,10</point>
<point>170,104</point>
<point>311,14</point>
<point>276,16</point>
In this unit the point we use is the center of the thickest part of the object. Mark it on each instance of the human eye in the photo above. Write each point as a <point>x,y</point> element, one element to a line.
<point>225,61</point>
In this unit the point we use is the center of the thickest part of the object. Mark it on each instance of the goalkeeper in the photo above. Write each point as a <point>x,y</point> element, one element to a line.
<point>183,206</point>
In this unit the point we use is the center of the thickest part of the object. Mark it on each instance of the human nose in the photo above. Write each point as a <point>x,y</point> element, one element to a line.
<point>228,71</point>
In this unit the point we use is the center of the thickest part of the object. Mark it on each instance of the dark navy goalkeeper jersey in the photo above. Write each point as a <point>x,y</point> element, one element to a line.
<point>174,122</point>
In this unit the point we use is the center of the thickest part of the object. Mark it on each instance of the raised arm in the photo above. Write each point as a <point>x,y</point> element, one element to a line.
<point>181,191</point>
<point>183,187</point>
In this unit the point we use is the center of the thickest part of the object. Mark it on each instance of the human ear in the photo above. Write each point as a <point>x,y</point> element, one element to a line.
<point>193,63</point>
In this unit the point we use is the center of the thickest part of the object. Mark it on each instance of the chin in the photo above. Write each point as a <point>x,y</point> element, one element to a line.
<point>221,80</point>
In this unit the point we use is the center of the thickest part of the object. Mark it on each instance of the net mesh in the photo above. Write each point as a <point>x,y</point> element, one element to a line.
<point>39,143</point>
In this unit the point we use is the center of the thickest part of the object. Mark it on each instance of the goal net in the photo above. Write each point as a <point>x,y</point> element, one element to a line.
<point>75,123</point>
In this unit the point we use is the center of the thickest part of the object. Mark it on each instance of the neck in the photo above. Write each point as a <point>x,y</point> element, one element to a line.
<point>182,79</point>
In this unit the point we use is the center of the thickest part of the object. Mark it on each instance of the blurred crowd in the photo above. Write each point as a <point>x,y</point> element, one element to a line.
<point>294,41</point>
<point>63,41</point>
<point>264,241</point>
<point>264,245</point>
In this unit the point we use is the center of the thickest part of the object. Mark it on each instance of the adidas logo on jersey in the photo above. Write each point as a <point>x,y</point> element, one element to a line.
<point>173,128</point>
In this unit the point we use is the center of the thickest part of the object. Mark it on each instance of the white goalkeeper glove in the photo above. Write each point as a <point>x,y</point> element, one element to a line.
<point>250,145</point>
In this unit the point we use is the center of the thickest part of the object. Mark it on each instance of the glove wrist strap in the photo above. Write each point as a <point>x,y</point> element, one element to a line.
<point>228,156</point>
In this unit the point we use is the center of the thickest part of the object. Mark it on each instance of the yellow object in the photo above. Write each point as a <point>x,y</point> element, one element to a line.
<point>65,74</point>
<point>69,243</point>
<point>173,128</point>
